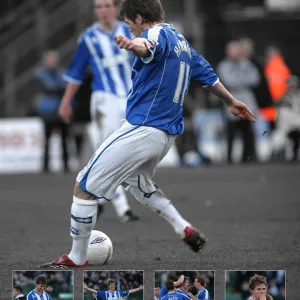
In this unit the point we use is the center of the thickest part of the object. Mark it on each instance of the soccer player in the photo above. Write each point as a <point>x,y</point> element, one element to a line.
<point>111,68</point>
<point>258,288</point>
<point>112,293</point>
<point>202,293</point>
<point>183,290</point>
<point>18,293</point>
<point>39,292</point>
<point>177,282</point>
<point>165,64</point>
<point>172,294</point>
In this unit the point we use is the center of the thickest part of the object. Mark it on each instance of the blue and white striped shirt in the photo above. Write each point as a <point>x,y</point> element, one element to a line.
<point>203,294</point>
<point>33,295</point>
<point>111,66</point>
<point>108,295</point>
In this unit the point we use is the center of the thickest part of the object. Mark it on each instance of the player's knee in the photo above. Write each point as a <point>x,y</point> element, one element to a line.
<point>79,193</point>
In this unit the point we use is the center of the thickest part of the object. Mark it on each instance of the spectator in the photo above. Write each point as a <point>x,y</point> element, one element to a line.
<point>261,91</point>
<point>239,75</point>
<point>51,88</point>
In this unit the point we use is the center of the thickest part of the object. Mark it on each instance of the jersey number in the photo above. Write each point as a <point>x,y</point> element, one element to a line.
<point>182,83</point>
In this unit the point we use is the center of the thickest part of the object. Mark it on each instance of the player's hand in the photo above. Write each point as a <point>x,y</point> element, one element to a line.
<point>241,110</point>
<point>141,287</point>
<point>85,285</point>
<point>65,112</point>
<point>49,289</point>
<point>263,297</point>
<point>181,279</point>
<point>124,42</point>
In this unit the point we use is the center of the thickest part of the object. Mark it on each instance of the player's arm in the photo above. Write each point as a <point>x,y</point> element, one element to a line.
<point>179,282</point>
<point>74,76</point>
<point>89,289</point>
<point>141,287</point>
<point>202,71</point>
<point>192,297</point>
<point>151,46</point>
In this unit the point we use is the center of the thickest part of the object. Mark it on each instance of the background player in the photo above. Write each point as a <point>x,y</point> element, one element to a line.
<point>258,287</point>
<point>18,293</point>
<point>39,291</point>
<point>112,293</point>
<point>164,66</point>
<point>202,292</point>
<point>111,68</point>
<point>172,294</point>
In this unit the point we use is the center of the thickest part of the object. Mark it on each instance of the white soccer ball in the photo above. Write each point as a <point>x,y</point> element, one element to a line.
<point>100,248</point>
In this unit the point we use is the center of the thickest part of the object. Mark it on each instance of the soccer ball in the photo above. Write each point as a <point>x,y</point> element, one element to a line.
<point>100,248</point>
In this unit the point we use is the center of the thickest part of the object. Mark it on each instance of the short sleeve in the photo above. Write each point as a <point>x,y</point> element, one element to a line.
<point>100,295</point>
<point>156,44</point>
<point>202,70</point>
<point>29,297</point>
<point>79,63</point>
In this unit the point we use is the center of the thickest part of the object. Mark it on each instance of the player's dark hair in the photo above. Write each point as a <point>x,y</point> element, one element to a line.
<point>150,10</point>
<point>172,277</point>
<point>193,290</point>
<point>256,280</point>
<point>201,280</point>
<point>111,281</point>
<point>170,285</point>
<point>18,288</point>
<point>41,280</point>
<point>115,2</point>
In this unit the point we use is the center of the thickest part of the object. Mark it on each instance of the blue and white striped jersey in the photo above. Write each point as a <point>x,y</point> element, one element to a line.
<point>184,295</point>
<point>172,296</point>
<point>33,295</point>
<point>108,295</point>
<point>203,295</point>
<point>161,80</point>
<point>111,66</point>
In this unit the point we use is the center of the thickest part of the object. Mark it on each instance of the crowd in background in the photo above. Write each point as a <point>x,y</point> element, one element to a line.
<point>61,282</point>
<point>162,276</point>
<point>125,280</point>
<point>237,284</point>
<point>266,85</point>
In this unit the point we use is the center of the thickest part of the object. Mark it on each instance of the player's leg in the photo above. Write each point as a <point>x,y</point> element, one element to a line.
<point>147,193</point>
<point>109,108</point>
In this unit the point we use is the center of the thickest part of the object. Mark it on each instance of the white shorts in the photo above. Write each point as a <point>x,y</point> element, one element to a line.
<point>107,110</point>
<point>129,156</point>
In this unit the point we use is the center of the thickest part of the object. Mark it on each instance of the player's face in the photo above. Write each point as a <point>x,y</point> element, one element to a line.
<point>40,288</point>
<point>15,293</point>
<point>259,291</point>
<point>197,285</point>
<point>112,286</point>
<point>106,11</point>
<point>135,28</point>
<point>185,285</point>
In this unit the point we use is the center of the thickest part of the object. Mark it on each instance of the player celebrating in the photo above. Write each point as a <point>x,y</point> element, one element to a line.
<point>202,293</point>
<point>258,287</point>
<point>177,282</point>
<point>165,64</point>
<point>111,294</point>
<point>172,294</point>
<point>111,69</point>
<point>39,291</point>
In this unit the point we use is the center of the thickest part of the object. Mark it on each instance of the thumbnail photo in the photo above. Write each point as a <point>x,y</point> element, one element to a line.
<point>43,285</point>
<point>113,285</point>
<point>184,285</point>
<point>255,285</point>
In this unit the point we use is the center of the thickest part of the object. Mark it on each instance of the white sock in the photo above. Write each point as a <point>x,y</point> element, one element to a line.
<point>83,220</point>
<point>120,202</point>
<point>159,203</point>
